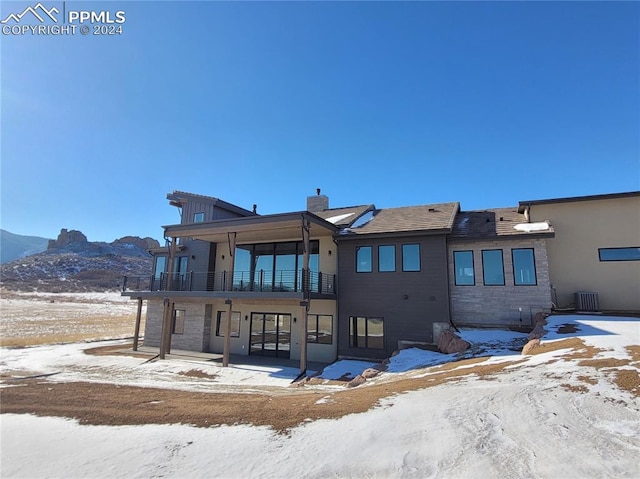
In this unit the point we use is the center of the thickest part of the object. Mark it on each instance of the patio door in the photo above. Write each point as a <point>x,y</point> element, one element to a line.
<point>270,334</point>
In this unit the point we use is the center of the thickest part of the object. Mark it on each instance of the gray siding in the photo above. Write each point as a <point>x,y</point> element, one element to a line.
<point>211,211</point>
<point>383,294</point>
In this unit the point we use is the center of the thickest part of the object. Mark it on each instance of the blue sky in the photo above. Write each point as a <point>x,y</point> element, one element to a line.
<point>391,103</point>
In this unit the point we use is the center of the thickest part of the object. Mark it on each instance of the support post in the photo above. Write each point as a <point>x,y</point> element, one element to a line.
<point>165,339</point>
<point>306,285</point>
<point>136,333</point>
<point>226,345</point>
<point>166,325</point>
<point>227,335</point>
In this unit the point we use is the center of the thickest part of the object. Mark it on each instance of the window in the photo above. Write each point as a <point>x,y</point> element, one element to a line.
<point>177,326</point>
<point>463,266</point>
<point>221,322</point>
<point>410,257</point>
<point>320,329</point>
<point>387,258</point>
<point>161,262</point>
<point>524,267</point>
<point>180,264</point>
<point>366,332</point>
<point>198,217</point>
<point>274,266</point>
<point>363,259</point>
<point>492,267</point>
<point>619,254</point>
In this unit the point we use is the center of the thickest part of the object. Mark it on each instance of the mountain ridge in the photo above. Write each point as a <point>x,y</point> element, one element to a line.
<point>71,263</point>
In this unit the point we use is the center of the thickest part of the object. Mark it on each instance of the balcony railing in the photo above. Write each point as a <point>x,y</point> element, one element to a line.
<point>261,281</point>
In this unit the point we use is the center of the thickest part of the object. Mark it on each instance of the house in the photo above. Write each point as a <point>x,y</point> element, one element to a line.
<point>256,276</point>
<point>324,282</point>
<point>594,259</point>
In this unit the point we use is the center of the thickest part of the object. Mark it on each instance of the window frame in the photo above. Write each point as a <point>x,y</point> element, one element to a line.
<point>404,264</point>
<point>177,324</point>
<point>533,260</point>
<point>310,333</point>
<point>220,318</point>
<point>353,332</point>
<point>393,249</point>
<point>198,214</point>
<point>473,268</point>
<point>484,273</point>
<point>605,260</point>
<point>358,250</point>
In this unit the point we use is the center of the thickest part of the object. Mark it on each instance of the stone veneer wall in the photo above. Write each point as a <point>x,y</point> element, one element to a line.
<point>194,323</point>
<point>499,305</point>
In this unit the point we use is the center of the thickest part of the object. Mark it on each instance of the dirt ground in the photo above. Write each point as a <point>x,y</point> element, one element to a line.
<point>107,404</point>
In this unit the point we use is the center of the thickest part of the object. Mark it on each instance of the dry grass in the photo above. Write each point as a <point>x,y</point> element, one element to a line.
<point>33,332</point>
<point>31,320</point>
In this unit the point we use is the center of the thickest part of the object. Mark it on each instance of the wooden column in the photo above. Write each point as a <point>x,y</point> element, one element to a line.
<point>306,282</point>
<point>136,333</point>
<point>165,336</point>
<point>226,345</point>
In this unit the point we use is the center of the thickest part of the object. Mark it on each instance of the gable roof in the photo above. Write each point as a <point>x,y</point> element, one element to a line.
<point>429,219</point>
<point>496,223</point>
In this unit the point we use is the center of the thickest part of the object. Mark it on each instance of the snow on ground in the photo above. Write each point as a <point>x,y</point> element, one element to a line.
<point>516,424</point>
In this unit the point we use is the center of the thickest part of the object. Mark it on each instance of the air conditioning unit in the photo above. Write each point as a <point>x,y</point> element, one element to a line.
<point>587,301</point>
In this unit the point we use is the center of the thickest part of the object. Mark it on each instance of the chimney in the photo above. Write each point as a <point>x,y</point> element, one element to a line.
<point>317,203</point>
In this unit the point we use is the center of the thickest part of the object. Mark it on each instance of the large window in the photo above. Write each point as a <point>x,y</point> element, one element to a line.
<point>366,332</point>
<point>410,257</point>
<point>177,325</point>
<point>463,265</point>
<point>386,258</point>
<point>320,328</point>
<point>524,267</point>
<point>221,324</point>
<point>363,259</point>
<point>493,267</point>
<point>619,254</point>
<point>274,266</point>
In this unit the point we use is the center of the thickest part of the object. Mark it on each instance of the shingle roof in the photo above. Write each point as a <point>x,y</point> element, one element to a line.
<point>492,223</point>
<point>436,217</point>
<point>344,217</point>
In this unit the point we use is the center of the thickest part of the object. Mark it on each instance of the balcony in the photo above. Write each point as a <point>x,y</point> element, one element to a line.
<point>279,281</point>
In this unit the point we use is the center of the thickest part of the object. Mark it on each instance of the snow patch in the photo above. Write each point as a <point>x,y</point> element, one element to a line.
<point>529,227</point>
